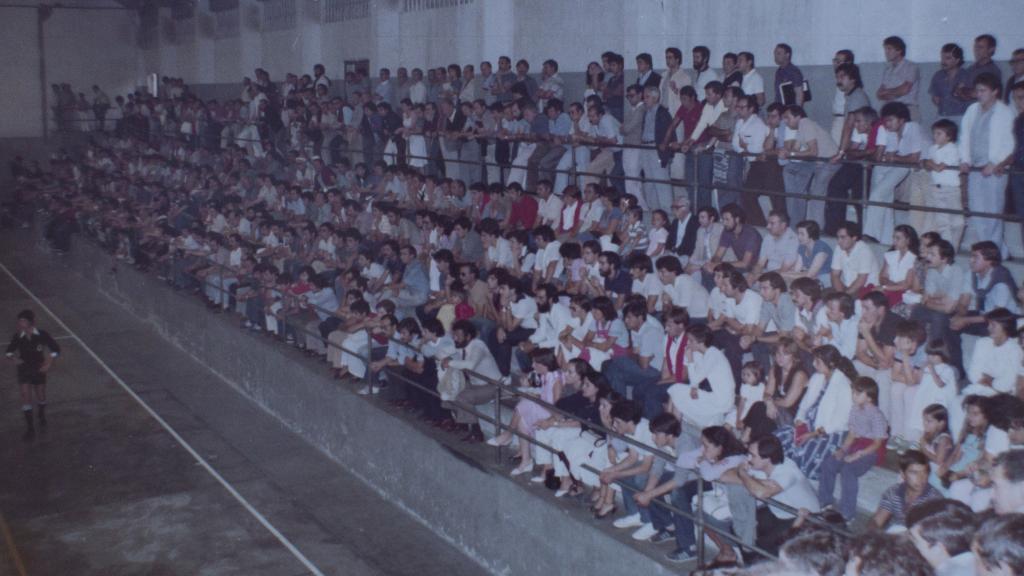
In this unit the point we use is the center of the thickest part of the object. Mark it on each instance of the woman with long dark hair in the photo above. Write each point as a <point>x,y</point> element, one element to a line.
<point>821,420</point>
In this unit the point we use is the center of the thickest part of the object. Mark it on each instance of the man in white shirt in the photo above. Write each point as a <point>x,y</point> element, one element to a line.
<point>548,264</point>
<point>710,392</point>
<point>602,129</point>
<point>673,79</point>
<point>417,89</point>
<point>768,475</point>
<point>702,71</point>
<point>681,289</point>
<point>753,82</point>
<point>477,363</point>
<point>552,319</point>
<point>744,320</point>
<point>854,265</point>
<point>549,206</point>
<point>903,144</point>
<point>778,248</point>
<point>552,86</point>
<point>987,145</point>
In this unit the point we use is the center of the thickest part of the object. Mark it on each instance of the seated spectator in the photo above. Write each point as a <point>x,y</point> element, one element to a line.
<point>839,324</point>
<point>635,467</point>
<point>912,490</point>
<point>943,286</point>
<point>998,546</point>
<point>681,290</point>
<point>814,255</point>
<point>996,359</point>
<point>814,550</point>
<point>529,413</point>
<point>717,451</point>
<point>821,420</point>
<point>777,318</point>
<point>751,391</point>
<point>854,267</point>
<point>745,306</point>
<point>1008,483</point>
<point>641,367</point>
<point>768,476</point>
<point>787,381</point>
<point>989,286</point>
<point>710,393</point>
<point>481,372</point>
<point>908,368</point>
<point>709,235</point>
<point>743,241</point>
<point>876,348</point>
<point>936,442</point>
<point>858,452</point>
<point>942,530</point>
<point>874,554</point>
<point>517,320</point>
<point>778,249</point>
<point>897,275</point>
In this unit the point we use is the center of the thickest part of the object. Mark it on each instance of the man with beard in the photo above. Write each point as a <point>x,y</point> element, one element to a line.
<point>617,282</point>
<point>480,370</point>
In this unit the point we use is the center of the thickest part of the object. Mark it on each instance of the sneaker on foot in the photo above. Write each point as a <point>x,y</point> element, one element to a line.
<point>662,536</point>
<point>645,532</point>
<point>631,521</point>
<point>679,555</point>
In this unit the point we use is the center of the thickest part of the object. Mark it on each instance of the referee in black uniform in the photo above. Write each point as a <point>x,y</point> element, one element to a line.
<point>27,350</point>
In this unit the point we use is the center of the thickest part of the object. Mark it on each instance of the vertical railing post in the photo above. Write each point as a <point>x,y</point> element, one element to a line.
<point>700,520</point>
<point>497,420</point>
<point>864,187</point>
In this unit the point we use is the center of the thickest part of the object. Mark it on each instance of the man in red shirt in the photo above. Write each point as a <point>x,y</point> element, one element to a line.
<point>523,213</point>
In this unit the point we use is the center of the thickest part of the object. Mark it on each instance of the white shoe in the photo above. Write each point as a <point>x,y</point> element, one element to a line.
<point>560,493</point>
<point>538,479</point>
<point>524,468</point>
<point>631,521</point>
<point>366,391</point>
<point>645,532</point>
<point>497,441</point>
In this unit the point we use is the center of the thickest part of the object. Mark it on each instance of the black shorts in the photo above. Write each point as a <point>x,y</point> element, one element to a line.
<point>31,375</point>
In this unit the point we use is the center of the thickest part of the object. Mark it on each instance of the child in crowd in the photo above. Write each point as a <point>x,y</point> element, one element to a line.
<point>938,386</point>
<point>637,238</point>
<point>936,442</point>
<point>455,307</point>
<point>859,451</point>
<point>658,235</point>
<point>943,165</point>
<point>751,391</point>
<point>907,370</point>
<point>913,489</point>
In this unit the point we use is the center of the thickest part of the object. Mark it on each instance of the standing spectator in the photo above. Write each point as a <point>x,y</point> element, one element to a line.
<point>632,129</point>
<point>901,77</point>
<point>673,79</point>
<point>903,145</point>
<point>848,82</point>
<point>986,145</point>
<point>656,157</point>
<point>984,49</point>
<point>943,164</point>
<point>789,80</point>
<point>1017,74</point>
<point>946,88</point>
<point>1017,178</point>
<point>753,82</point>
<point>614,92</point>
<point>551,86</point>
<point>646,77</point>
<point>748,137</point>
<point>848,182</point>
<point>810,141</point>
<point>702,71</point>
<point>839,99</point>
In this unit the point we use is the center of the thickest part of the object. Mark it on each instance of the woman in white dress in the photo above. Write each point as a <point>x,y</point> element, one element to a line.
<point>711,392</point>
<point>897,275</point>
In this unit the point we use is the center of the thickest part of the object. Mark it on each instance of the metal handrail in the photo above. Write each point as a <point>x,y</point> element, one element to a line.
<point>864,201</point>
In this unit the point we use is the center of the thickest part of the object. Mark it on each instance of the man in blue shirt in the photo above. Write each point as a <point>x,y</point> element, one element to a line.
<point>559,131</point>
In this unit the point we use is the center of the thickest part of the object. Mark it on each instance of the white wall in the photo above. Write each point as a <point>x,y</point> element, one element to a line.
<point>82,48</point>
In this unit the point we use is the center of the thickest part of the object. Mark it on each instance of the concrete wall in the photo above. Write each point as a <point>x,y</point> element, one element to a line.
<point>83,47</point>
<point>484,513</point>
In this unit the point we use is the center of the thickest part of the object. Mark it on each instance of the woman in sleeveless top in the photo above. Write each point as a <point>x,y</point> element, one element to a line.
<point>787,382</point>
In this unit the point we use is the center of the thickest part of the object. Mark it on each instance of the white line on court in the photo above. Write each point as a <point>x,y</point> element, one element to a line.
<point>227,486</point>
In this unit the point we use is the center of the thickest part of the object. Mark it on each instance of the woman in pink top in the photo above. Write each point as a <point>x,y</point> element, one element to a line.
<point>528,413</point>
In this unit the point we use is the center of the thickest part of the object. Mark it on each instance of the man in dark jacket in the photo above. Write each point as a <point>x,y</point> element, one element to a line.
<point>682,232</point>
<point>655,160</point>
<point>34,351</point>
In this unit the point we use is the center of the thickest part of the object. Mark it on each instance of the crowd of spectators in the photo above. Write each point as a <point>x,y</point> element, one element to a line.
<point>435,236</point>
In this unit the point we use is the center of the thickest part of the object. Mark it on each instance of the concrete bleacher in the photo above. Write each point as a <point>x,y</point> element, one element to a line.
<point>459,490</point>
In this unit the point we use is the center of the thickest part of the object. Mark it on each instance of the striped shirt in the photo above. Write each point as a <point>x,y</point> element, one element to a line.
<point>867,422</point>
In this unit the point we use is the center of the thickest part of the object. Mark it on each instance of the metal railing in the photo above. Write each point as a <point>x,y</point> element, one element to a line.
<point>575,173</point>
